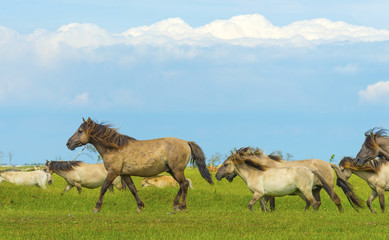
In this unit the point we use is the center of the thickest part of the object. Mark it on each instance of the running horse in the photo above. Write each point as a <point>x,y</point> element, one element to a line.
<point>125,156</point>
<point>376,145</point>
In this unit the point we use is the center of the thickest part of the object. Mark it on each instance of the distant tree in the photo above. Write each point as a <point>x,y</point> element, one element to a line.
<point>91,151</point>
<point>214,160</point>
<point>289,157</point>
<point>278,153</point>
<point>10,156</point>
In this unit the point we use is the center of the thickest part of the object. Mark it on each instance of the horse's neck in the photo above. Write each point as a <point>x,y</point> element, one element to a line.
<point>383,143</point>
<point>246,173</point>
<point>103,150</point>
<point>364,175</point>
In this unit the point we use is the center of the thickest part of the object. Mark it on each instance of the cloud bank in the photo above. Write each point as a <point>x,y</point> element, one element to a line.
<point>375,93</point>
<point>243,30</point>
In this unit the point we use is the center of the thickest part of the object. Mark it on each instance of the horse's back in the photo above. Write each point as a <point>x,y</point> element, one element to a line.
<point>87,175</point>
<point>148,158</point>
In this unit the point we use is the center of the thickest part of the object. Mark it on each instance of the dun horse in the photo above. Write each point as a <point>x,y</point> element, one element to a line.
<point>275,182</point>
<point>375,172</point>
<point>79,174</point>
<point>37,178</point>
<point>376,145</point>
<point>125,156</point>
<point>324,169</point>
<point>161,181</point>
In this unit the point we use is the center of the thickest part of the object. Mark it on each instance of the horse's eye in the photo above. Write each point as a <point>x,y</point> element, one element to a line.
<point>79,130</point>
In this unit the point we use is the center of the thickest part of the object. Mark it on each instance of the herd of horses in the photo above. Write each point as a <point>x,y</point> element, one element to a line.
<point>267,176</point>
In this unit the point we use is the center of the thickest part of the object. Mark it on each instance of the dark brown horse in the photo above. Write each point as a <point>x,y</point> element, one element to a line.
<point>125,156</point>
<point>376,145</point>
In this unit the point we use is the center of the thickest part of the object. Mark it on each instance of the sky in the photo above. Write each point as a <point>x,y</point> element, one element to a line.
<point>306,78</point>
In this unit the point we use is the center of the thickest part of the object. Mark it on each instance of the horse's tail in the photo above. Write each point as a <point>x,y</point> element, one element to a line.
<point>190,183</point>
<point>325,185</point>
<point>347,188</point>
<point>199,159</point>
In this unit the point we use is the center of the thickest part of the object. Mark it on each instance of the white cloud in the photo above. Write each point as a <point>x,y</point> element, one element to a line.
<point>76,39</point>
<point>376,93</point>
<point>81,99</point>
<point>347,69</point>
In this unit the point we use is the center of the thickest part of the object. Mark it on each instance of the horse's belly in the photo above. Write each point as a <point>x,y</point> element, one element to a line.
<point>144,170</point>
<point>275,189</point>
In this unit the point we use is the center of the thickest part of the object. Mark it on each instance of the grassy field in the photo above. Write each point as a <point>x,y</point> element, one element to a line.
<point>216,211</point>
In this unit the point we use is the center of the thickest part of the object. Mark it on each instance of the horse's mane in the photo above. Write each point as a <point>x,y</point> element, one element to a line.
<point>106,135</point>
<point>245,155</point>
<point>63,165</point>
<point>371,136</point>
<point>373,166</point>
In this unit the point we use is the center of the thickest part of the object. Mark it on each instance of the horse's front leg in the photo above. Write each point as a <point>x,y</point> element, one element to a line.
<point>67,188</point>
<point>108,181</point>
<point>254,199</point>
<point>128,180</point>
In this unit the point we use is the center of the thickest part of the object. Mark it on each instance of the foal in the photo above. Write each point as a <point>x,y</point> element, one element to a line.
<point>374,172</point>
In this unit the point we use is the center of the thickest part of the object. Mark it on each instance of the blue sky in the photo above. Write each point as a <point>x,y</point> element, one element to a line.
<point>301,77</point>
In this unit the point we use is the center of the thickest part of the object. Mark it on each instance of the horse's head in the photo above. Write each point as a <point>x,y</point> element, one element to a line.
<point>81,136</point>
<point>49,172</point>
<point>370,149</point>
<point>344,166</point>
<point>227,170</point>
<point>47,167</point>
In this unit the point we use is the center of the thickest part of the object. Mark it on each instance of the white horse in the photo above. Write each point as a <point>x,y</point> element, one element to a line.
<point>272,182</point>
<point>375,172</point>
<point>39,178</point>
<point>79,174</point>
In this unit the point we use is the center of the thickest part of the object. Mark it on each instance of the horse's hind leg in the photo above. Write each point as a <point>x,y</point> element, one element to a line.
<point>371,199</point>
<point>183,191</point>
<point>128,180</point>
<point>381,196</point>
<point>316,195</point>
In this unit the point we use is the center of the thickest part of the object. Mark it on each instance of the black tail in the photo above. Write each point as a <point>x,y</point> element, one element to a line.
<point>347,188</point>
<point>325,185</point>
<point>199,159</point>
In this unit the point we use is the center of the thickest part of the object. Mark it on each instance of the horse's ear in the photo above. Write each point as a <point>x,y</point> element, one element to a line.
<point>83,119</point>
<point>47,161</point>
<point>89,121</point>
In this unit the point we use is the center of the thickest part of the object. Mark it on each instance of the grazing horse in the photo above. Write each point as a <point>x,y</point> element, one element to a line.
<point>161,181</point>
<point>376,145</point>
<point>324,169</point>
<point>38,178</point>
<point>375,172</point>
<point>125,156</point>
<point>79,174</point>
<point>275,182</point>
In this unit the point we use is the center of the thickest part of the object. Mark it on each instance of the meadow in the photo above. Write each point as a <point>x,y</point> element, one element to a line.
<point>216,211</point>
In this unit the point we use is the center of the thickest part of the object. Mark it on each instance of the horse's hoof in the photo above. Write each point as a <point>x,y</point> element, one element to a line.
<point>96,210</point>
<point>138,210</point>
<point>171,213</point>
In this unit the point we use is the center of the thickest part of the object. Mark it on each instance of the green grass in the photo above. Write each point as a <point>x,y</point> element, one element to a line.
<point>214,212</point>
